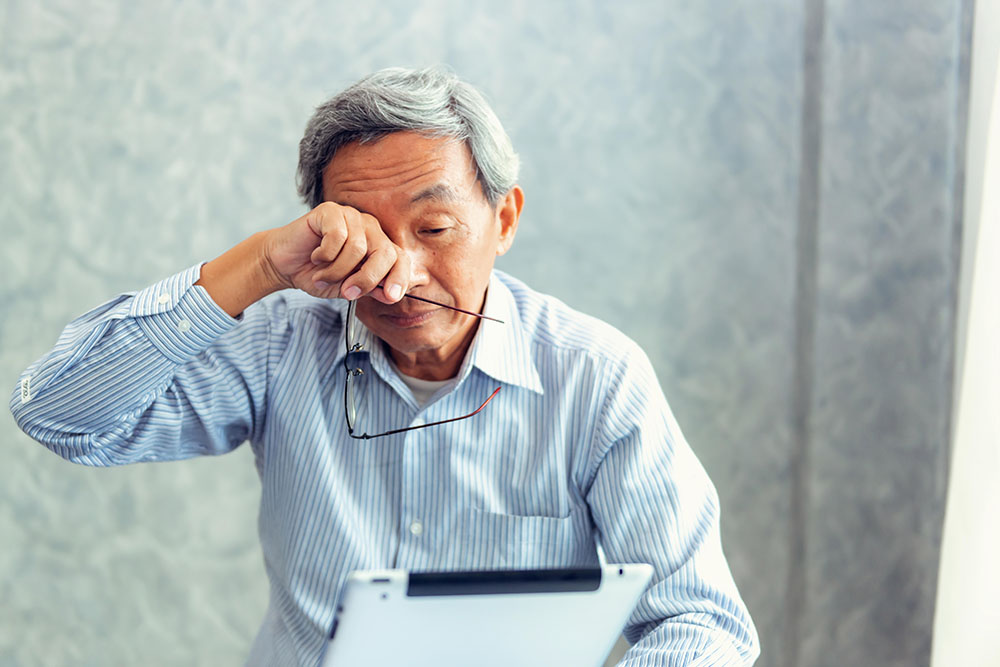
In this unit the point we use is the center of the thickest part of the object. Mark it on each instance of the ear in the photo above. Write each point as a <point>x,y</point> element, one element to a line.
<point>508,213</point>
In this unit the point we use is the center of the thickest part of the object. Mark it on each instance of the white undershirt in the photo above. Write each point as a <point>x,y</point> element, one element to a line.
<point>422,389</point>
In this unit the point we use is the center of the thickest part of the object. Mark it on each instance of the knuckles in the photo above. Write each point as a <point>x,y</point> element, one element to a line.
<point>349,233</point>
<point>328,208</point>
<point>385,253</point>
<point>355,247</point>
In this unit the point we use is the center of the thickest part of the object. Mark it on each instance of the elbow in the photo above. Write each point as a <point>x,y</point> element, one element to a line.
<point>70,445</point>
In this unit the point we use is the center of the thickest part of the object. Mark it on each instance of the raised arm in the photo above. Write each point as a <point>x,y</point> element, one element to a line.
<point>168,372</point>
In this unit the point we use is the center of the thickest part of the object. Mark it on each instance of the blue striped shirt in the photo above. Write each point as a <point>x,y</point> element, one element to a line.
<point>579,445</point>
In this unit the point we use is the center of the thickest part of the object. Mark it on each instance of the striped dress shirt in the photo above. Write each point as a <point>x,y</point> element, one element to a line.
<point>579,445</point>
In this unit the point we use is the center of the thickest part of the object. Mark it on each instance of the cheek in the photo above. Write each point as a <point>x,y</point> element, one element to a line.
<point>362,312</point>
<point>466,272</point>
<point>463,268</point>
<point>456,264</point>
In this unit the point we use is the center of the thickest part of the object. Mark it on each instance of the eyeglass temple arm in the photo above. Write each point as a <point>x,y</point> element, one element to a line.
<point>467,312</point>
<point>475,412</point>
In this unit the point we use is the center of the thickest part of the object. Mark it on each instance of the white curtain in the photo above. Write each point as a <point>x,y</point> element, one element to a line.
<point>967,618</point>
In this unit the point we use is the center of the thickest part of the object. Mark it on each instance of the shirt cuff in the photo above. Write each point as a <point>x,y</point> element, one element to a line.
<point>179,318</point>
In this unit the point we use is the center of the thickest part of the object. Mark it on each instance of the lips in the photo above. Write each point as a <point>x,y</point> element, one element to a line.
<point>403,319</point>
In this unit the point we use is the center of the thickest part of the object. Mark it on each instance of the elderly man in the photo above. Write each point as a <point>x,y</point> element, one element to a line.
<point>407,405</point>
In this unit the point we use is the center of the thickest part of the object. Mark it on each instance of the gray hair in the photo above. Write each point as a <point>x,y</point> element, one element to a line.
<point>431,101</point>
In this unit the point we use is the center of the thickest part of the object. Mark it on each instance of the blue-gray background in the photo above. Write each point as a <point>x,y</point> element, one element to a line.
<point>763,193</point>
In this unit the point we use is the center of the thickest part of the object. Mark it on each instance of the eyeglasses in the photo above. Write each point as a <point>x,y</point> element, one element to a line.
<point>354,344</point>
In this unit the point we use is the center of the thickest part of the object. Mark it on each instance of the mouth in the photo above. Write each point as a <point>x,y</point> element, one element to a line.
<point>404,319</point>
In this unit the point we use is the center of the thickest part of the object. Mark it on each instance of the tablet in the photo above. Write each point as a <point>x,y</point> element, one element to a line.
<point>500,618</point>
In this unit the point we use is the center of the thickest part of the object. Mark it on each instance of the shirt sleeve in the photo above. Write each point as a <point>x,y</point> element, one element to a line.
<point>161,374</point>
<point>652,502</point>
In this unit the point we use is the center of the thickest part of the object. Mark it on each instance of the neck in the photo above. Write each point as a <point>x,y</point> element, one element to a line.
<point>435,364</point>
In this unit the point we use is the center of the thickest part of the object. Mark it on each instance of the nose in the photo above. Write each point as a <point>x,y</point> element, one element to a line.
<point>419,273</point>
<point>415,253</point>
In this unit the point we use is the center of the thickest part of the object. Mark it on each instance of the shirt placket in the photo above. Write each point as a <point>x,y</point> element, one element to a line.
<point>419,528</point>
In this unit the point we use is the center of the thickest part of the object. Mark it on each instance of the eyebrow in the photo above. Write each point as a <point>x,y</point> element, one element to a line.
<point>440,193</point>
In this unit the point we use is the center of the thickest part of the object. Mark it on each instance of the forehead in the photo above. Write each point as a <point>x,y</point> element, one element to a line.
<point>401,167</point>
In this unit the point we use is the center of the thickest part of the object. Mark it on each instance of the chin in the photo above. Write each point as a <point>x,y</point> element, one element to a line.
<point>409,340</point>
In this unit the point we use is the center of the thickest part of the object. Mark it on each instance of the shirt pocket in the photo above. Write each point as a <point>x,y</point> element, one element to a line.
<point>507,541</point>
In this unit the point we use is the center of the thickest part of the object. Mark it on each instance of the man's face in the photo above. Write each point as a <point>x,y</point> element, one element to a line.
<point>424,193</point>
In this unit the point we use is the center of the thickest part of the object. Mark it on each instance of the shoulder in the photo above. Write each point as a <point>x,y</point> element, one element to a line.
<point>552,325</point>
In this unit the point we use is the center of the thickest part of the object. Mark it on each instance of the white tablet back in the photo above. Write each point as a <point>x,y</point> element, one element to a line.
<point>501,619</point>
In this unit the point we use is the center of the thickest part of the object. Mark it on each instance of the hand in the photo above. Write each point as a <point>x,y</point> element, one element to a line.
<point>336,250</point>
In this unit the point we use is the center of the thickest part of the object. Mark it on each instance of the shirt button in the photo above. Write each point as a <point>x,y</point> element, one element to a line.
<point>164,298</point>
<point>417,528</point>
<point>183,326</point>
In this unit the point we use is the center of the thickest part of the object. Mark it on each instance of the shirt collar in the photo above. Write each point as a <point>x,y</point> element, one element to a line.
<point>501,351</point>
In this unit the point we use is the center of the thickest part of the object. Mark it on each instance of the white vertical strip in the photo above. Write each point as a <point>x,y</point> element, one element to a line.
<point>967,615</point>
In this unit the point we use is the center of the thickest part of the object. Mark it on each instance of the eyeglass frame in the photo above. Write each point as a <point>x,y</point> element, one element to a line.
<point>350,402</point>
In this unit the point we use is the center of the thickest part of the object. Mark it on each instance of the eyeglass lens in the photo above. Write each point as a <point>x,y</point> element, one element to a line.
<point>351,339</point>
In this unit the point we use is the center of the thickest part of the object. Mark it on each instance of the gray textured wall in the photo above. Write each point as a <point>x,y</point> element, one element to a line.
<point>763,194</point>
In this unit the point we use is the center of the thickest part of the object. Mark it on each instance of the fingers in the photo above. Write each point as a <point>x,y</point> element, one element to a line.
<point>355,253</point>
<point>396,283</point>
<point>385,265</point>
<point>332,230</point>
<point>343,246</point>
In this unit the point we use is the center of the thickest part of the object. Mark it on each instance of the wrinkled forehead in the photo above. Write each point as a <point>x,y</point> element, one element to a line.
<point>405,167</point>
